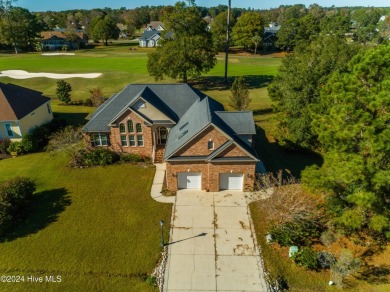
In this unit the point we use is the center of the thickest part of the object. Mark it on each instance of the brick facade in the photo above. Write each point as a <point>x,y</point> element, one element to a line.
<point>210,173</point>
<point>199,146</point>
<point>115,136</point>
<point>232,151</point>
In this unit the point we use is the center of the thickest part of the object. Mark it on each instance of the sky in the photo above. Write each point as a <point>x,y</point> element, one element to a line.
<point>45,5</point>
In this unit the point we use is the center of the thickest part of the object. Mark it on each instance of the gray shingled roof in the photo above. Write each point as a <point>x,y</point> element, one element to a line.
<point>17,102</point>
<point>240,122</point>
<point>201,115</point>
<point>148,34</point>
<point>172,99</point>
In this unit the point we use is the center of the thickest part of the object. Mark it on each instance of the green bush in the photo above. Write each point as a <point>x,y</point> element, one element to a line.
<point>15,200</point>
<point>29,143</point>
<point>295,233</point>
<point>306,257</point>
<point>4,144</point>
<point>99,156</point>
<point>41,135</point>
<point>130,158</point>
<point>15,147</point>
<point>88,102</point>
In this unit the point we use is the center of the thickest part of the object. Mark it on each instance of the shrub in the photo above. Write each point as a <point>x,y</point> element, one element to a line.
<point>4,144</point>
<point>96,96</point>
<point>295,233</point>
<point>15,148</point>
<point>99,156</point>
<point>41,135</point>
<point>88,102</point>
<point>306,257</point>
<point>29,143</point>
<point>346,264</point>
<point>15,200</point>
<point>325,260</point>
<point>130,158</point>
<point>63,91</point>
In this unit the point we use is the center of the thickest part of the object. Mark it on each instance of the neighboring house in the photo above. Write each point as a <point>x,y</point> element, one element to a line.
<point>155,25</point>
<point>56,40</point>
<point>123,31</point>
<point>269,38</point>
<point>204,147</point>
<point>21,110</point>
<point>149,39</point>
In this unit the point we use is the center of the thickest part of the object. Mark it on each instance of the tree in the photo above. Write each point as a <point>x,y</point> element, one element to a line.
<point>352,125</point>
<point>63,91</point>
<point>19,28</point>
<point>298,84</point>
<point>247,26</point>
<point>257,41</point>
<point>104,28</point>
<point>185,49</point>
<point>15,200</point>
<point>96,96</point>
<point>239,98</point>
<point>218,29</point>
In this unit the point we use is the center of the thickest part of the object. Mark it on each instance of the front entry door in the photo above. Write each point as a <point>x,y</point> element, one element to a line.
<point>162,134</point>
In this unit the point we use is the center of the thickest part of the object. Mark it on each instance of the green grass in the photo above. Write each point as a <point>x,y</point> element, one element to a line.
<point>97,228</point>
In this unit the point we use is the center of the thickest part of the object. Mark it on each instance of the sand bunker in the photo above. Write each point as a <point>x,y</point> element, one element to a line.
<point>58,54</point>
<point>20,74</point>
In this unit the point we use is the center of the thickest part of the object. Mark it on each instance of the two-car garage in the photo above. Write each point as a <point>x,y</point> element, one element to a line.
<point>193,180</point>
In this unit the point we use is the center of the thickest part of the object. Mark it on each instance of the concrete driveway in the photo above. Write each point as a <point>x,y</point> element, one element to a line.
<point>212,246</point>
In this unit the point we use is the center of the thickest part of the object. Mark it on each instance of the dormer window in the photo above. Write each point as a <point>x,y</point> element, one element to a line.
<point>210,144</point>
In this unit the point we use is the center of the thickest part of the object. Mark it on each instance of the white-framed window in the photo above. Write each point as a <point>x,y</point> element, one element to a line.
<point>210,145</point>
<point>122,128</point>
<point>8,130</point>
<point>123,140</point>
<point>99,139</point>
<point>130,126</point>
<point>138,128</point>
<point>140,140</point>
<point>132,140</point>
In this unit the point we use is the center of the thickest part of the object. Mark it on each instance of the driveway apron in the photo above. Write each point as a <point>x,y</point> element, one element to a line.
<point>212,247</point>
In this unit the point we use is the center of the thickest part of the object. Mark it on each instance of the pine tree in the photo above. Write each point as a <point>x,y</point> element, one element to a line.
<point>239,99</point>
<point>63,91</point>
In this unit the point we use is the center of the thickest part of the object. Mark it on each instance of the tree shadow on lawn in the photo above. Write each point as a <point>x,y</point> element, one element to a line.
<point>218,83</point>
<point>277,158</point>
<point>72,119</point>
<point>375,274</point>
<point>45,208</point>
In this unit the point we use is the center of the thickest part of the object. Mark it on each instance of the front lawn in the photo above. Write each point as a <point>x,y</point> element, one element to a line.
<point>97,228</point>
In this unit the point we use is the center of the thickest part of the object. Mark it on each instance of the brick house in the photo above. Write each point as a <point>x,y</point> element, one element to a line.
<point>203,146</point>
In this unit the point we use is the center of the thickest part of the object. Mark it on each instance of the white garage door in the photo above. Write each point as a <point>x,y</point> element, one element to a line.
<point>231,181</point>
<point>189,180</point>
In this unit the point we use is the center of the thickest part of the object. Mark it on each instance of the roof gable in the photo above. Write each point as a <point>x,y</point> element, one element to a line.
<point>171,99</point>
<point>17,102</point>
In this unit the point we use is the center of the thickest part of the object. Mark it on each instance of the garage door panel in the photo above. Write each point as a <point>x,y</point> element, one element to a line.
<point>189,180</point>
<point>231,181</point>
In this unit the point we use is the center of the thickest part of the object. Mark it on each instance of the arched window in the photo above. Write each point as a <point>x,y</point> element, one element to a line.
<point>138,127</point>
<point>130,126</point>
<point>122,128</point>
